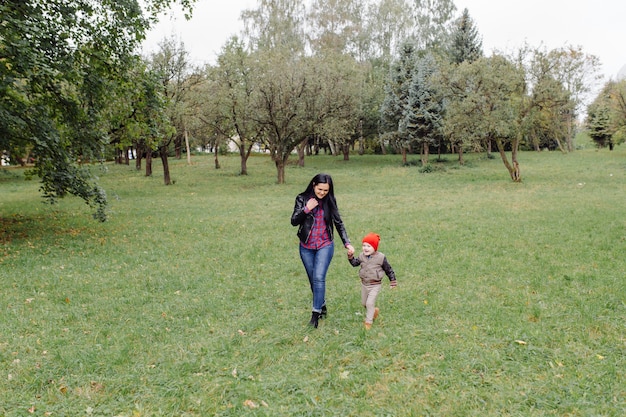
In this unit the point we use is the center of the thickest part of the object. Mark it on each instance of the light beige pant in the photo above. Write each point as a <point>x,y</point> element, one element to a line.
<point>369,293</point>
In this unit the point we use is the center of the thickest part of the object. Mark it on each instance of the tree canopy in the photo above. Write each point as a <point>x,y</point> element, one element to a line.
<point>60,63</point>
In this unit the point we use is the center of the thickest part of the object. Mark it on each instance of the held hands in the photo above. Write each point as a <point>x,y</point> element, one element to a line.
<point>350,251</point>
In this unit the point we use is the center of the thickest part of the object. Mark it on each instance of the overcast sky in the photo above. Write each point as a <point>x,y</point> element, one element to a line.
<point>598,26</point>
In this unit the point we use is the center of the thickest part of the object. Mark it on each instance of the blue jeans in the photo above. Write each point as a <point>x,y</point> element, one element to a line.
<point>316,263</point>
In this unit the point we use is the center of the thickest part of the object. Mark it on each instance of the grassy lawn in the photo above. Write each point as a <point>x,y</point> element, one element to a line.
<point>192,301</point>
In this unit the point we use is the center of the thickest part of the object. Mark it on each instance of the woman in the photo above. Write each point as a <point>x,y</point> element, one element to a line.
<point>316,214</point>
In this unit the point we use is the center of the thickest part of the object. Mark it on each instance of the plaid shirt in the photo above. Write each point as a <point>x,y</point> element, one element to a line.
<point>319,235</point>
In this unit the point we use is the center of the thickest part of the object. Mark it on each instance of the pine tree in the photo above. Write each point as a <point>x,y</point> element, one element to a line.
<point>423,113</point>
<point>466,42</point>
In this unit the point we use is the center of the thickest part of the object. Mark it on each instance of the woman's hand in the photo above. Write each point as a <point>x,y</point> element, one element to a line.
<point>311,204</point>
<point>350,250</point>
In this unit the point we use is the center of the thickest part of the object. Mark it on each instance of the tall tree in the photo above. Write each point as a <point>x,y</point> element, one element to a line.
<point>284,106</point>
<point>389,24</point>
<point>467,44</point>
<point>396,99</point>
<point>276,25</point>
<point>423,114</point>
<point>171,63</point>
<point>338,79</point>
<point>432,21</point>
<point>234,98</point>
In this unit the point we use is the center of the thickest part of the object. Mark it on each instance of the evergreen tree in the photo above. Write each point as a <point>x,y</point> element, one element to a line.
<point>466,42</point>
<point>422,119</point>
<point>397,95</point>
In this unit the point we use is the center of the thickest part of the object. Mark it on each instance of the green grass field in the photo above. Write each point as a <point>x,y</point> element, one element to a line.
<point>192,301</point>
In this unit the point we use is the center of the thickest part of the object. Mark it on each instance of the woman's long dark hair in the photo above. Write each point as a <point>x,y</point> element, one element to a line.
<point>329,204</point>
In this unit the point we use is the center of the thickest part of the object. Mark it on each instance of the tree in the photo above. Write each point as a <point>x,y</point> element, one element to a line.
<point>137,114</point>
<point>558,80</point>
<point>276,25</point>
<point>171,63</point>
<point>606,115</point>
<point>337,79</point>
<point>431,26</point>
<point>58,62</point>
<point>481,106</point>
<point>232,100</point>
<point>397,86</point>
<point>466,42</point>
<point>423,114</point>
<point>388,27</point>
<point>284,110</point>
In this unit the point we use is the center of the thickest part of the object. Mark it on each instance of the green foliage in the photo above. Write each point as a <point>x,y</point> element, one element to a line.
<point>59,63</point>
<point>466,42</point>
<point>192,301</point>
<point>606,116</point>
<point>423,115</point>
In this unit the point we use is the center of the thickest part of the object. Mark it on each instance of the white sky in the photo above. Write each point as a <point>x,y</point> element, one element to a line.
<point>598,26</point>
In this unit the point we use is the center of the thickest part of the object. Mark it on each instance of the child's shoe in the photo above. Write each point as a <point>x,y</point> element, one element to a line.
<point>368,325</point>
<point>376,311</point>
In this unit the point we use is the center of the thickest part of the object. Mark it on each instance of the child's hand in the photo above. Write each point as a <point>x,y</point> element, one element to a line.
<point>393,284</point>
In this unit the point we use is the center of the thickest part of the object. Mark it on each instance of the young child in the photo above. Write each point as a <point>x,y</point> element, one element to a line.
<point>374,265</point>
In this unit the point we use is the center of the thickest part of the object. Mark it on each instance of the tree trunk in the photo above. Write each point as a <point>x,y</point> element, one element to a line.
<point>215,157</point>
<point>559,144</point>
<point>361,139</point>
<point>166,167</point>
<point>461,161</point>
<point>425,153</point>
<point>244,166</point>
<point>346,151</point>
<point>187,146</point>
<point>404,156</point>
<point>333,150</point>
<point>178,145</point>
<point>513,167</point>
<point>570,134</point>
<point>148,162</point>
<point>140,148</point>
<point>300,149</point>
<point>280,170</point>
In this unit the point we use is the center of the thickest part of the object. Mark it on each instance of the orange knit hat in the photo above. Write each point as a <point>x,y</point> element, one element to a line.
<point>373,239</point>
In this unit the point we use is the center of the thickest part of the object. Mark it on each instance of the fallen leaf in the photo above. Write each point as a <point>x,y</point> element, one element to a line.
<point>306,339</point>
<point>234,373</point>
<point>520,342</point>
<point>250,404</point>
<point>241,332</point>
<point>32,409</point>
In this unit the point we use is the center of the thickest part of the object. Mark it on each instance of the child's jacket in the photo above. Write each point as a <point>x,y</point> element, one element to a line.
<point>373,268</point>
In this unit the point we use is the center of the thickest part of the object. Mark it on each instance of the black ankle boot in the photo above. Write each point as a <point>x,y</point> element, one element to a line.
<point>315,316</point>
<point>324,312</point>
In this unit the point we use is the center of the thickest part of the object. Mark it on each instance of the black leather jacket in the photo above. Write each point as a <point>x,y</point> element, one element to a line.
<point>305,220</point>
